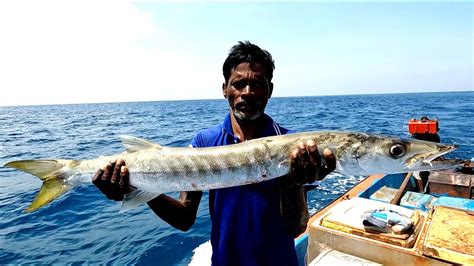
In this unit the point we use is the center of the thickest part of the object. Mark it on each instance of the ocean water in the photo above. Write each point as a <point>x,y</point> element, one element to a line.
<point>84,227</point>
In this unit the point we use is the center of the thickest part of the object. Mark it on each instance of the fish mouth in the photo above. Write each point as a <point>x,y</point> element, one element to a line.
<point>429,163</point>
<point>443,151</point>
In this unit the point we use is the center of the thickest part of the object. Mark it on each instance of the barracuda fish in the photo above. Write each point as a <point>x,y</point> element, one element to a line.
<point>156,169</point>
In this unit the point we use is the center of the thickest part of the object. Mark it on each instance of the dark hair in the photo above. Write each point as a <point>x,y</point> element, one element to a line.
<point>246,52</point>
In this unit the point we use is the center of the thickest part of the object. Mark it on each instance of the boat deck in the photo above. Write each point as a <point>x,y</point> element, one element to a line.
<point>442,233</point>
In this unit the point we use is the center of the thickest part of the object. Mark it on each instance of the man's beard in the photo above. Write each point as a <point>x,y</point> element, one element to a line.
<point>241,115</point>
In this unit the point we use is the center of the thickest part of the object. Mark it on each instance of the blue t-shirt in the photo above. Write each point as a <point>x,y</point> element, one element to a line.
<point>247,227</point>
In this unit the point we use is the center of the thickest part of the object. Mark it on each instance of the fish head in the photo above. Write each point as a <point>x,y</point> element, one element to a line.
<point>426,156</point>
<point>385,155</point>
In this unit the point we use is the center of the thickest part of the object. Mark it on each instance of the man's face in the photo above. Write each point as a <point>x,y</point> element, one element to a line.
<point>247,91</point>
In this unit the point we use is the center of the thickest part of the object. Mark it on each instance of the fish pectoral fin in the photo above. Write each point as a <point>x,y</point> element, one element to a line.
<point>135,198</point>
<point>133,144</point>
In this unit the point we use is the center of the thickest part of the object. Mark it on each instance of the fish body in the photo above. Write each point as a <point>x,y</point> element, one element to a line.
<point>156,169</point>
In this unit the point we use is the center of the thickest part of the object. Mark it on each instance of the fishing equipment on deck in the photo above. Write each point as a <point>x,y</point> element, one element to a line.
<point>386,221</point>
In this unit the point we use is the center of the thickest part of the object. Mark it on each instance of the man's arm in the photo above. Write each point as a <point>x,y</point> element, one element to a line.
<point>305,167</point>
<point>113,181</point>
<point>293,208</point>
<point>180,214</point>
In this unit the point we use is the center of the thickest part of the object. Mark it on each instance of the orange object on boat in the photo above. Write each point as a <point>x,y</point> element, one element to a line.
<point>423,126</point>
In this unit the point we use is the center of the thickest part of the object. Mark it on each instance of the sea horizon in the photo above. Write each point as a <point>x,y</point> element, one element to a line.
<point>273,97</point>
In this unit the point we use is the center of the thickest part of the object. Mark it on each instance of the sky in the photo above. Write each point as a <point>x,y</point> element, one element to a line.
<point>60,52</point>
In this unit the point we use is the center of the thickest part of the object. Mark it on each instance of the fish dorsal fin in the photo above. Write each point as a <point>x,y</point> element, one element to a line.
<point>133,144</point>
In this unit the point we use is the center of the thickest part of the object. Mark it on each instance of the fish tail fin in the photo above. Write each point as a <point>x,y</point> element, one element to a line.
<point>52,175</point>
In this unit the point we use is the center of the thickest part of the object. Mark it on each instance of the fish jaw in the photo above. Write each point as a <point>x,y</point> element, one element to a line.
<point>442,151</point>
<point>426,161</point>
<point>437,165</point>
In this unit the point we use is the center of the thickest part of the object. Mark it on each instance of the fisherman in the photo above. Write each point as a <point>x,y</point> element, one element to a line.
<point>253,224</point>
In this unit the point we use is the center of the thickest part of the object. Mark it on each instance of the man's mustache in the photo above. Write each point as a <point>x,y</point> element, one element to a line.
<point>248,104</point>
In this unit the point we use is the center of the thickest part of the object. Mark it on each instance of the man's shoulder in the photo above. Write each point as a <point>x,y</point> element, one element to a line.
<point>275,128</point>
<point>212,131</point>
<point>279,130</point>
<point>206,137</point>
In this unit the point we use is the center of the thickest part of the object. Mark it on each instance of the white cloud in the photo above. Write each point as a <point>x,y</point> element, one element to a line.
<point>92,51</point>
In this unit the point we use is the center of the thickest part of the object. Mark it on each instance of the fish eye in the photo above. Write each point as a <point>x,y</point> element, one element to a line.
<point>397,150</point>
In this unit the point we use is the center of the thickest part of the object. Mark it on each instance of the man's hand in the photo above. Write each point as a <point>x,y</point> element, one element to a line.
<point>113,180</point>
<point>306,166</point>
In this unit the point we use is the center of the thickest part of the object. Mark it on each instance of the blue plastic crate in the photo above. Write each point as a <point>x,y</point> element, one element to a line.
<point>459,203</point>
<point>420,201</point>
